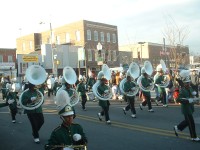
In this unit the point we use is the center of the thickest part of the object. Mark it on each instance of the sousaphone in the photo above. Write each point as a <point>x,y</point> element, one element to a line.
<point>134,72</point>
<point>106,73</point>
<point>148,69</point>
<point>166,80</point>
<point>36,75</point>
<point>69,76</point>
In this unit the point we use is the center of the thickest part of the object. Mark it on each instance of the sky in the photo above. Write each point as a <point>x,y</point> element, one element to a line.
<point>137,20</point>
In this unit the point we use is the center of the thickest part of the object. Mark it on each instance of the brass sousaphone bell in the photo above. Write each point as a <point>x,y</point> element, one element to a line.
<point>134,72</point>
<point>106,73</point>
<point>35,75</point>
<point>69,76</point>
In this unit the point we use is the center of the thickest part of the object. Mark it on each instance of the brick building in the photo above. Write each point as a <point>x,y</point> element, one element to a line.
<point>8,62</point>
<point>172,55</point>
<point>86,34</point>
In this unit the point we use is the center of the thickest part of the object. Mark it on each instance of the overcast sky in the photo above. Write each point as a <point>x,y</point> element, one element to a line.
<point>137,20</point>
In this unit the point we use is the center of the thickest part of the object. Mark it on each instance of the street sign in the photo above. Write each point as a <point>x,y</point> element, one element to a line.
<point>30,58</point>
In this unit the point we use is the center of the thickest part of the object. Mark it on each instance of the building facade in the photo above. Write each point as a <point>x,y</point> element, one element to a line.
<point>85,34</point>
<point>8,62</point>
<point>174,56</point>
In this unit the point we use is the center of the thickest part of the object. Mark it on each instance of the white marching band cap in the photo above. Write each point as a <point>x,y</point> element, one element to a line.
<point>185,75</point>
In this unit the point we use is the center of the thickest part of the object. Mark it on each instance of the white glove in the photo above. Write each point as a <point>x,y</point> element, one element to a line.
<point>33,98</point>
<point>10,101</point>
<point>76,137</point>
<point>194,93</point>
<point>106,91</point>
<point>190,100</point>
<point>133,88</point>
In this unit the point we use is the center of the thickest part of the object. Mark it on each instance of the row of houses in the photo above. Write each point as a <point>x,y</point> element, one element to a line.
<point>83,45</point>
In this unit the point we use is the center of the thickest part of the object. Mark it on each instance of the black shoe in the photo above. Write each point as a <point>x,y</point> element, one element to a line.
<point>99,116</point>
<point>124,111</point>
<point>156,102</point>
<point>37,140</point>
<point>141,106</point>
<point>176,130</point>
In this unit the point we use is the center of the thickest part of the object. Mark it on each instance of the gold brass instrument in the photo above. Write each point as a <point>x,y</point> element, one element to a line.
<point>105,72</point>
<point>70,147</point>
<point>149,70</point>
<point>69,76</point>
<point>36,75</point>
<point>134,72</point>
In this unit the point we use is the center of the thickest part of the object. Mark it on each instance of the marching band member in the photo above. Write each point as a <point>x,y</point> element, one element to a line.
<point>91,81</point>
<point>195,82</point>
<point>159,80</point>
<point>50,82</point>
<point>68,133</point>
<point>35,116</point>
<point>11,100</point>
<point>4,81</point>
<point>187,107</point>
<point>82,91</point>
<point>102,89</point>
<point>145,81</point>
<point>70,92</point>
<point>129,86</point>
<point>56,85</point>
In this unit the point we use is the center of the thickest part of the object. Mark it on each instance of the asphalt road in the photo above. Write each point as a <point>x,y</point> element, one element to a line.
<point>152,131</point>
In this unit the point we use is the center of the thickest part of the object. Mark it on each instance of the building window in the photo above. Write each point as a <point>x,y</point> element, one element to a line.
<point>108,37</point>
<point>67,37</point>
<point>1,58</point>
<point>114,38</point>
<point>88,35</point>
<point>89,55</point>
<point>114,56</point>
<point>57,40</point>
<point>95,36</point>
<point>96,55</point>
<point>10,58</point>
<point>30,45</point>
<point>102,37</point>
<point>78,36</point>
<point>109,55</point>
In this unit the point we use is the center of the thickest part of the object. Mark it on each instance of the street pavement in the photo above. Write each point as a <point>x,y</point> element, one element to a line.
<point>152,131</point>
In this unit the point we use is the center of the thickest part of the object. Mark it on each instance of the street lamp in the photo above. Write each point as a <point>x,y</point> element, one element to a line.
<point>54,70</point>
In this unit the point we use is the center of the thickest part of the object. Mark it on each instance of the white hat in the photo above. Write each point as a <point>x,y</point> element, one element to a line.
<point>143,70</point>
<point>185,75</point>
<point>66,111</point>
<point>159,67</point>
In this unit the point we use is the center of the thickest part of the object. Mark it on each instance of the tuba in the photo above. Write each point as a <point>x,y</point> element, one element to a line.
<point>69,76</point>
<point>134,72</point>
<point>36,75</point>
<point>105,72</point>
<point>149,70</point>
<point>166,80</point>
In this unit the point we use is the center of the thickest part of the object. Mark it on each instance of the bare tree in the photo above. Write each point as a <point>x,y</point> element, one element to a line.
<point>175,36</point>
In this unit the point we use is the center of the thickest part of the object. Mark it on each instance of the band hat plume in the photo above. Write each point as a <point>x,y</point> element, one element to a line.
<point>66,111</point>
<point>62,99</point>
